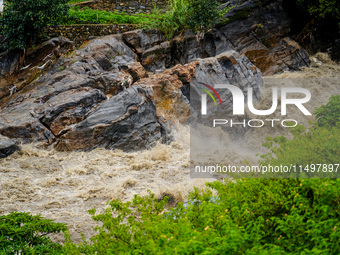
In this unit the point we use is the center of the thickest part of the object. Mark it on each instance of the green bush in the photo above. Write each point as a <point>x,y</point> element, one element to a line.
<point>22,233</point>
<point>319,147</point>
<point>253,216</point>
<point>23,21</point>
<point>173,21</point>
<point>202,14</point>
<point>197,15</point>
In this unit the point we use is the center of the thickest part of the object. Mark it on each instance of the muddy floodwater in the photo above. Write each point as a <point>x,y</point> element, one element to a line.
<point>63,185</point>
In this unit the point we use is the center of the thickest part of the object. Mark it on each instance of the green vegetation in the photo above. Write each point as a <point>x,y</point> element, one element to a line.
<point>171,22</point>
<point>202,15</point>
<point>22,233</point>
<point>198,15</point>
<point>22,21</point>
<point>329,115</point>
<point>104,17</point>
<point>253,216</point>
<point>76,1</point>
<point>321,9</point>
<point>320,145</point>
<point>250,216</point>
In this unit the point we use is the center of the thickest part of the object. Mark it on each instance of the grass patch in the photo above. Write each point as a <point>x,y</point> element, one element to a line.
<point>76,1</point>
<point>104,17</point>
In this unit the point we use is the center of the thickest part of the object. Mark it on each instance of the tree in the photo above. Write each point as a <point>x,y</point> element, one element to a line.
<point>24,20</point>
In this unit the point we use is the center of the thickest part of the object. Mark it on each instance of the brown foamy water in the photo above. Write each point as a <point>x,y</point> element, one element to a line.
<point>64,185</point>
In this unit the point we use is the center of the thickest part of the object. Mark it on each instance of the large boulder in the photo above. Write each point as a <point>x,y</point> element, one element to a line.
<point>127,121</point>
<point>68,108</point>
<point>71,88</point>
<point>229,68</point>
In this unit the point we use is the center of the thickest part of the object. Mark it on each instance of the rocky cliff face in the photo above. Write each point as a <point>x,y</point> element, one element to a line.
<point>129,91</point>
<point>256,29</point>
<point>259,30</point>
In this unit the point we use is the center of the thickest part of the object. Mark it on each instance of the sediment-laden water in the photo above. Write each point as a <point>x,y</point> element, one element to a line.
<point>64,185</point>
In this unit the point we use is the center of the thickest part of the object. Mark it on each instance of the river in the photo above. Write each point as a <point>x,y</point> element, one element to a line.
<point>63,185</point>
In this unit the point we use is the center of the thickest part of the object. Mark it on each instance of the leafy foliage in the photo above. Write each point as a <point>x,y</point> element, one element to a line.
<point>320,9</point>
<point>198,15</point>
<point>329,114</point>
<point>23,20</point>
<point>75,1</point>
<point>320,145</point>
<point>202,15</point>
<point>171,22</point>
<point>22,233</point>
<point>254,216</point>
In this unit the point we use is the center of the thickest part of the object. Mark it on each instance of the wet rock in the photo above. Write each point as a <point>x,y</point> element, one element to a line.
<point>65,94</point>
<point>53,47</point>
<point>157,57</point>
<point>167,86</point>
<point>140,40</point>
<point>7,147</point>
<point>127,121</point>
<point>137,71</point>
<point>229,68</point>
<point>68,108</point>
<point>19,123</point>
<point>257,29</point>
<point>185,48</point>
<point>36,63</point>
